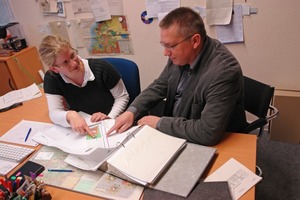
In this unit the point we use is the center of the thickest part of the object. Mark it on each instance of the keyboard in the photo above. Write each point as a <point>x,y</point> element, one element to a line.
<point>13,152</point>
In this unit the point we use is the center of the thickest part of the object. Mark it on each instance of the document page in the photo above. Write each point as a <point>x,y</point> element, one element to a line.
<point>89,162</point>
<point>239,177</point>
<point>72,142</point>
<point>144,156</point>
<point>6,166</point>
<point>17,96</point>
<point>24,131</point>
<point>97,157</point>
<point>218,12</point>
<point>65,139</point>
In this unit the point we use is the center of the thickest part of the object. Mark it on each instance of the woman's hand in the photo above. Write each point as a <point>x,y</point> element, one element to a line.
<point>99,116</point>
<point>78,124</point>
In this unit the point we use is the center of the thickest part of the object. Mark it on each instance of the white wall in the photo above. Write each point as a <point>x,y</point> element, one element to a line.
<point>270,53</point>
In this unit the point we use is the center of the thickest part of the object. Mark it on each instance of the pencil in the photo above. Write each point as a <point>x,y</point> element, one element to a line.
<point>28,133</point>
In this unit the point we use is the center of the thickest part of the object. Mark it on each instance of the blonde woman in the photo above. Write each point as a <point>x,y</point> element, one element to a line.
<point>74,84</point>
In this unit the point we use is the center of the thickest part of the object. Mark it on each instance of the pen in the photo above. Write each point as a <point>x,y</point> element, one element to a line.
<point>10,107</point>
<point>32,176</point>
<point>18,174</point>
<point>28,133</point>
<point>60,170</point>
<point>3,182</point>
<point>17,183</point>
<point>9,183</point>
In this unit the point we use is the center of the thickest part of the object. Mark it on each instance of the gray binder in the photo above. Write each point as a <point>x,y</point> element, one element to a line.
<point>181,177</point>
<point>202,191</point>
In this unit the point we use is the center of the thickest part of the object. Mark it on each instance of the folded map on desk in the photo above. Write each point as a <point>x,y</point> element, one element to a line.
<point>85,152</point>
<point>71,142</point>
<point>95,183</point>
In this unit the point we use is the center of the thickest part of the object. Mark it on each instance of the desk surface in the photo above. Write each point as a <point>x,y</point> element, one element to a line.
<point>242,147</point>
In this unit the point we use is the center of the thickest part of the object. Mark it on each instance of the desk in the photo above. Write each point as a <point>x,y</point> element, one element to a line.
<point>242,147</point>
<point>9,69</point>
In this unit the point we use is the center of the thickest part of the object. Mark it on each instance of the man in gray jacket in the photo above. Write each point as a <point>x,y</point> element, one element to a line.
<point>202,84</point>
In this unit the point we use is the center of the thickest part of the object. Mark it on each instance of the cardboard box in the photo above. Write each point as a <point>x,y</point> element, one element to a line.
<point>286,126</point>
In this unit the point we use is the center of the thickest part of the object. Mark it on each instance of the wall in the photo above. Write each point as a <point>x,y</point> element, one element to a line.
<point>270,53</point>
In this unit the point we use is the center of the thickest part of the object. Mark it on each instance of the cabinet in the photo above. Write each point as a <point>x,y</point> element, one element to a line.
<point>286,126</point>
<point>12,74</point>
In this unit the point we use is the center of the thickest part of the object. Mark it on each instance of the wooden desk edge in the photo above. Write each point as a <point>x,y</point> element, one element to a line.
<point>242,147</point>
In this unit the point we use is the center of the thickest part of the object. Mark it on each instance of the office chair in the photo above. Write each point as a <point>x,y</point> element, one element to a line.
<point>258,99</point>
<point>129,72</point>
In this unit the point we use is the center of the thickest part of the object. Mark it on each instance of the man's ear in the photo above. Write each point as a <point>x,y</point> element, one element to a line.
<point>197,40</point>
<point>54,69</point>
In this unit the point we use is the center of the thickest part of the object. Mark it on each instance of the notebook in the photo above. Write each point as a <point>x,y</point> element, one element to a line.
<point>185,172</point>
<point>202,191</point>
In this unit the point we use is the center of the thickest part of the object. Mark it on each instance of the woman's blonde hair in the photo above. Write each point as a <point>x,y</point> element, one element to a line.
<point>50,47</point>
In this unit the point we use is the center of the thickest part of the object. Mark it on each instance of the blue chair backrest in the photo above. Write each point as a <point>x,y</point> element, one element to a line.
<point>129,72</point>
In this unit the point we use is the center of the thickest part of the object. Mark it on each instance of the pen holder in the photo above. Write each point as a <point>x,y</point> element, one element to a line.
<point>23,188</point>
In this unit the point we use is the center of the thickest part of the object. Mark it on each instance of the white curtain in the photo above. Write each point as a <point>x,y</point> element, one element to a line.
<point>6,14</point>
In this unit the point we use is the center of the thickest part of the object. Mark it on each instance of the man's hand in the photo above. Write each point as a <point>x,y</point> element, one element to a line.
<point>78,124</point>
<point>122,123</point>
<point>149,120</point>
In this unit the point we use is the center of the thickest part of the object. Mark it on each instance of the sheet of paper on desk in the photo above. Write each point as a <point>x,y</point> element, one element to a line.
<point>95,159</point>
<point>72,142</point>
<point>6,166</point>
<point>18,133</point>
<point>239,177</point>
<point>87,118</point>
<point>17,96</point>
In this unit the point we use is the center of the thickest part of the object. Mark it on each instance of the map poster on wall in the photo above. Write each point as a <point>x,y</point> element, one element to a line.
<point>106,37</point>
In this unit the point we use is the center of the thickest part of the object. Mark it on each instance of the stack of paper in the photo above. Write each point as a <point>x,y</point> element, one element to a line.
<point>17,96</point>
<point>145,155</point>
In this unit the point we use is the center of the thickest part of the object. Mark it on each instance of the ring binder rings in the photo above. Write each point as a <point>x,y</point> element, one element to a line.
<point>181,168</point>
<point>97,156</point>
<point>130,135</point>
<point>144,155</point>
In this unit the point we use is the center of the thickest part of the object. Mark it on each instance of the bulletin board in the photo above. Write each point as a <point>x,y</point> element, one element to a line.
<point>269,52</point>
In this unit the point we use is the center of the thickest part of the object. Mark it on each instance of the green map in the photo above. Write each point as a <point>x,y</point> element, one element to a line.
<point>96,183</point>
<point>109,37</point>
